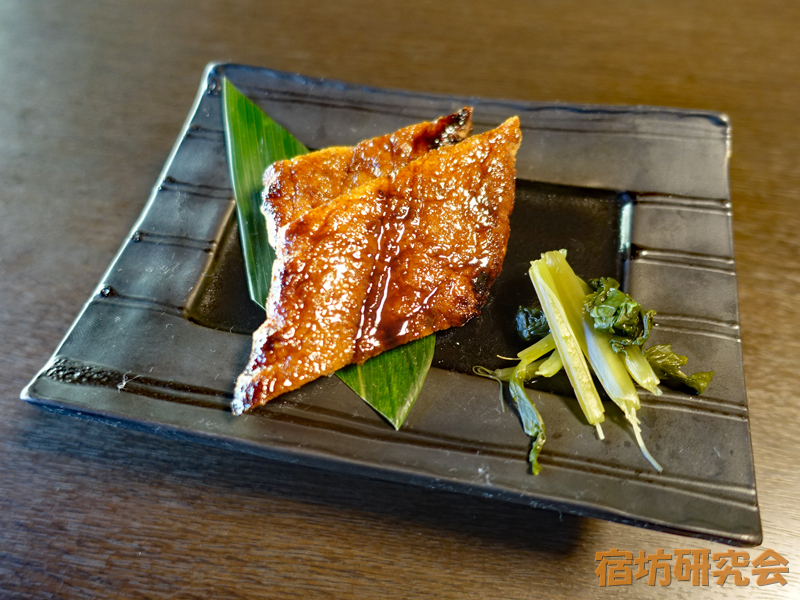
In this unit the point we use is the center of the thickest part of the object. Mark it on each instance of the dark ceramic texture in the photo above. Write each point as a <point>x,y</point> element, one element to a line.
<point>641,193</point>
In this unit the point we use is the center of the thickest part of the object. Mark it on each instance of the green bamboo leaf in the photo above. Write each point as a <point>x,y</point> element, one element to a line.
<point>389,382</point>
<point>254,142</point>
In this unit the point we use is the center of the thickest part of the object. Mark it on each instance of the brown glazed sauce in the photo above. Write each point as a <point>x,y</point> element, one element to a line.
<point>293,187</point>
<point>441,245</point>
<point>389,262</point>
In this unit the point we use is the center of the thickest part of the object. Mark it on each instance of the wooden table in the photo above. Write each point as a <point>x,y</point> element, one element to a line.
<point>94,95</point>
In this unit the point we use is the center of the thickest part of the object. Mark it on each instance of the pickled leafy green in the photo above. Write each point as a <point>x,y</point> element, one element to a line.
<point>531,323</point>
<point>616,313</point>
<point>667,365</point>
<point>595,323</point>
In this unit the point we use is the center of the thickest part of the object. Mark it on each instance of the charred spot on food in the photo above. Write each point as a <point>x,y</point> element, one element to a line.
<point>481,283</point>
<point>446,131</point>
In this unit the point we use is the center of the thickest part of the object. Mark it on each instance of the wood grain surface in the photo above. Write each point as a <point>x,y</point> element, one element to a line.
<point>94,94</point>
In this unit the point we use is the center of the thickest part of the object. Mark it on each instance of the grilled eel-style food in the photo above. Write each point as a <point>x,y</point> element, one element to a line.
<point>386,263</point>
<point>295,186</point>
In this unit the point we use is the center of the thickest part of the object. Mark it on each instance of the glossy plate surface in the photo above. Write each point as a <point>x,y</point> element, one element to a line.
<point>636,192</point>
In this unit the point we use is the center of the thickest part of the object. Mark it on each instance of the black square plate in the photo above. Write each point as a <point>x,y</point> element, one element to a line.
<point>636,192</point>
